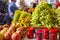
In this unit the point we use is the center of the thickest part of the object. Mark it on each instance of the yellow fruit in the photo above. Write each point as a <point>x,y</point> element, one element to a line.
<point>3,31</point>
<point>1,37</point>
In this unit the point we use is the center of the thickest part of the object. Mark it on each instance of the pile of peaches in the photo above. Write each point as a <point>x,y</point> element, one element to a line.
<point>13,32</point>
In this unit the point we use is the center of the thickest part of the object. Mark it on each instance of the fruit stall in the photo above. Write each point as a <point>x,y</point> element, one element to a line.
<point>42,24</point>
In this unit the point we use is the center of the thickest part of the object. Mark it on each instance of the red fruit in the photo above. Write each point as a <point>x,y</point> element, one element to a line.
<point>15,36</point>
<point>9,33</point>
<point>29,35</point>
<point>6,26</point>
<point>19,29</point>
<point>30,28</point>
<point>57,4</point>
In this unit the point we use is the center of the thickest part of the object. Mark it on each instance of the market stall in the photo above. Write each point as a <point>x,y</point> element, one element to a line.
<point>43,23</point>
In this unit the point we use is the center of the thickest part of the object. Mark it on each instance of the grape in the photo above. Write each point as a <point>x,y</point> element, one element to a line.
<point>58,15</point>
<point>24,19</point>
<point>16,16</point>
<point>42,15</point>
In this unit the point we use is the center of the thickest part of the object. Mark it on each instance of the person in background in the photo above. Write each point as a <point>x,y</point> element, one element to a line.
<point>25,8</point>
<point>57,3</point>
<point>33,5</point>
<point>12,8</point>
<point>31,9</point>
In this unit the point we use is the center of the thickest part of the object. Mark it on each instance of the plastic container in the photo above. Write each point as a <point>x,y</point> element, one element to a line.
<point>30,33</point>
<point>45,35</point>
<point>59,34</point>
<point>39,34</point>
<point>53,34</point>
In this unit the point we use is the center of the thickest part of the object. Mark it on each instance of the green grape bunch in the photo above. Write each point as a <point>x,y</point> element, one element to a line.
<point>24,19</point>
<point>16,16</point>
<point>43,15</point>
<point>58,15</point>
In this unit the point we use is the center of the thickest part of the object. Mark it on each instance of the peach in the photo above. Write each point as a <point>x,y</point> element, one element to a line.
<point>15,36</point>
<point>9,32</point>
<point>6,26</point>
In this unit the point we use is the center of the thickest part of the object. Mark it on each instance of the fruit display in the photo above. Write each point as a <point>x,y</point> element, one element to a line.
<point>2,32</point>
<point>42,15</point>
<point>9,33</point>
<point>12,32</point>
<point>6,26</point>
<point>18,35</point>
<point>16,16</point>
<point>24,19</point>
<point>15,36</point>
<point>58,15</point>
<point>30,32</point>
<point>43,23</point>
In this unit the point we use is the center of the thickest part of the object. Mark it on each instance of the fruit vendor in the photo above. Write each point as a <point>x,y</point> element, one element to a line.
<point>57,3</point>
<point>11,8</point>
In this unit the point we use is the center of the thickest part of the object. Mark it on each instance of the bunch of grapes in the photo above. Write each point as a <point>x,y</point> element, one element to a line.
<point>42,15</point>
<point>24,19</point>
<point>58,15</point>
<point>16,16</point>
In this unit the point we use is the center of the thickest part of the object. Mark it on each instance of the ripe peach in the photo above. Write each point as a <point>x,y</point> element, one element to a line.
<point>15,36</point>
<point>9,32</point>
<point>6,26</point>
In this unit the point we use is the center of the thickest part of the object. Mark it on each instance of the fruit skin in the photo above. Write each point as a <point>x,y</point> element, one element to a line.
<point>16,25</point>
<point>21,32</point>
<point>42,15</point>
<point>16,16</point>
<point>24,19</point>
<point>1,37</point>
<point>9,32</point>
<point>19,29</point>
<point>4,31</point>
<point>6,26</point>
<point>16,36</point>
